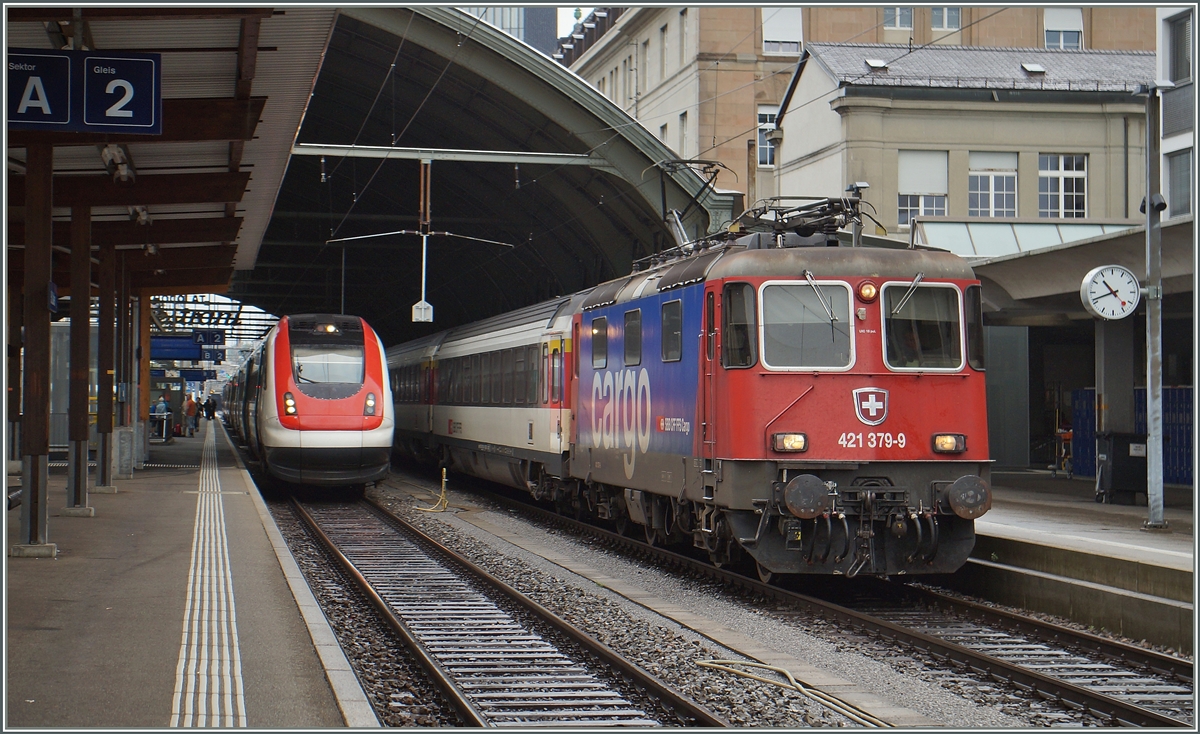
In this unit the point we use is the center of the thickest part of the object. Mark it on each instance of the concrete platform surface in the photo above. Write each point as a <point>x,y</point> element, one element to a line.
<point>1037,508</point>
<point>168,607</point>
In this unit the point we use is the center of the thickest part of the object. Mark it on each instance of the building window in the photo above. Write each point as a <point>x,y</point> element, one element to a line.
<point>682,38</point>
<point>766,123</point>
<point>992,185</point>
<point>898,18</point>
<point>1062,186</point>
<point>1064,28</point>
<point>924,205</point>
<point>662,133</point>
<point>946,19</point>
<point>1179,183</point>
<point>922,185</point>
<point>782,30</point>
<point>662,53</point>
<point>683,141</point>
<point>1180,60</point>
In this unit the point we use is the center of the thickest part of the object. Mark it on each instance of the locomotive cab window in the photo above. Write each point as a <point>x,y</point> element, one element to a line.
<point>924,333</point>
<point>973,297</point>
<point>672,331</point>
<point>737,347</point>
<point>632,338</point>
<point>806,325</point>
<point>328,363</point>
<point>599,343</point>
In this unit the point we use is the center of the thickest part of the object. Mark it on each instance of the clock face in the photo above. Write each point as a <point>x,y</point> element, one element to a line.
<point>1110,292</point>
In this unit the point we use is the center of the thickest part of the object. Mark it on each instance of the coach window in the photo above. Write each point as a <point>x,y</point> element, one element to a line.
<point>518,375</point>
<point>632,338</point>
<point>485,379</point>
<point>556,375</point>
<point>599,343</point>
<point>497,377</point>
<point>974,316</point>
<point>738,342</point>
<point>532,367</point>
<point>545,374</point>
<point>921,327</point>
<point>672,331</point>
<point>806,325</point>
<point>506,370</point>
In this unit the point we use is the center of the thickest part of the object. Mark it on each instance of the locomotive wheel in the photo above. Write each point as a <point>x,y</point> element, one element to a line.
<point>651,535</point>
<point>764,575</point>
<point>621,523</point>
<point>724,551</point>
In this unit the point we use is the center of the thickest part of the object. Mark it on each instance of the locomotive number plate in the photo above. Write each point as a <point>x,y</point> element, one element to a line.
<point>872,440</point>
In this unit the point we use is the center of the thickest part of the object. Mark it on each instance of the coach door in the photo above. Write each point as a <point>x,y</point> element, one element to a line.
<point>552,389</point>
<point>708,394</point>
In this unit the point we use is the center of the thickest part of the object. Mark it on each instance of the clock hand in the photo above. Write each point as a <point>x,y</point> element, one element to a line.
<point>1110,290</point>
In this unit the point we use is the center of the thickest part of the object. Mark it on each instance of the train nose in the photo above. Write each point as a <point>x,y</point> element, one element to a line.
<point>969,497</point>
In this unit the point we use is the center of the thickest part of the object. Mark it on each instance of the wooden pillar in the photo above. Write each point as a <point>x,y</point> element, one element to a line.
<point>35,434</point>
<point>122,353</point>
<point>80,363</point>
<point>16,311</point>
<point>105,368</point>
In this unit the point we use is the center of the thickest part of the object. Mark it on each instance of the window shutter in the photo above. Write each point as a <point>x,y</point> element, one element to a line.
<point>923,172</point>
<point>984,161</point>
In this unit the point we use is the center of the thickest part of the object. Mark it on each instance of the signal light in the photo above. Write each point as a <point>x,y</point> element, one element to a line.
<point>370,406</point>
<point>867,291</point>
<point>789,442</point>
<point>949,443</point>
<point>289,403</point>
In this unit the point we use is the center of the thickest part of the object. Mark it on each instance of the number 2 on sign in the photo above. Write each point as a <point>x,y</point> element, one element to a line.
<point>117,109</point>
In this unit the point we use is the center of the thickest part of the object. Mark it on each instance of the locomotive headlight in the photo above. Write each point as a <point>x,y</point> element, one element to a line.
<point>867,291</point>
<point>949,443</point>
<point>289,403</point>
<point>328,328</point>
<point>370,407</point>
<point>789,442</point>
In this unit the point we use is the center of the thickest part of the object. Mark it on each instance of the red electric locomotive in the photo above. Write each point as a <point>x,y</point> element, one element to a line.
<point>313,402</point>
<point>778,394</point>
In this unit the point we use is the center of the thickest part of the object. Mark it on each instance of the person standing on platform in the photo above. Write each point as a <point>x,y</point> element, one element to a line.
<point>191,412</point>
<point>210,408</point>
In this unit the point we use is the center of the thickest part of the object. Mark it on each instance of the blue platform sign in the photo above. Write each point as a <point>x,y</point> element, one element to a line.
<point>39,89</point>
<point>209,336</point>
<point>121,91</point>
<point>212,355</point>
<point>85,91</point>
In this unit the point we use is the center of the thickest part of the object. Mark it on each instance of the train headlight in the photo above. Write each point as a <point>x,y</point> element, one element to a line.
<point>327,328</point>
<point>789,442</point>
<point>289,403</point>
<point>867,291</point>
<point>370,406</point>
<point>949,443</point>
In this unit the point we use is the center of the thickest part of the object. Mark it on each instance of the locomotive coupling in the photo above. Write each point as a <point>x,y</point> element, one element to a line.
<point>968,497</point>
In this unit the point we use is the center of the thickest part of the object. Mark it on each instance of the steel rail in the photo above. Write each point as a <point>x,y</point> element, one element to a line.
<point>1047,687</point>
<point>470,715</point>
<point>700,715</point>
<point>1160,663</point>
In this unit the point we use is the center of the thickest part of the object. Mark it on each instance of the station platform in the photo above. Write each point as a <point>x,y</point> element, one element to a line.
<point>1054,511</point>
<point>177,604</point>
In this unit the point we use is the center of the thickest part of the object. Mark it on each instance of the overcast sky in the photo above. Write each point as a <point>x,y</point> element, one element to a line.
<point>566,19</point>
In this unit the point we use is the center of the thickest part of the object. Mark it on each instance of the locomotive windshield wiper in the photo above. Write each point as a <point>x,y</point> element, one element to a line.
<point>820,297</point>
<point>908,293</point>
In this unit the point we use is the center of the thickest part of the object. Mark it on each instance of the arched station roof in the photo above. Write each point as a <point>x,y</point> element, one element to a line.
<point>460,85</point>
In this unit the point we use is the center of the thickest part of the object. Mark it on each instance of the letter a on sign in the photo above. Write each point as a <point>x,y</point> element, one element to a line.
<point>34,96</point>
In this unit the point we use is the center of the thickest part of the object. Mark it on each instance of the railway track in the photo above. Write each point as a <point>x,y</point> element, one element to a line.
<point>499,658</point>
<point>1092,676</point>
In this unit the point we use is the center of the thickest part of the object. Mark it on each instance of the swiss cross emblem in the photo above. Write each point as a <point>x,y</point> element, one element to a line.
<point>871,405</point>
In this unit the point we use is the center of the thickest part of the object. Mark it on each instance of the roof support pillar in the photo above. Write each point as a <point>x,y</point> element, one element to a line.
<point>16,318</point>
<point>35,436</point>
<point>80,361</point>
<point>105,369</point>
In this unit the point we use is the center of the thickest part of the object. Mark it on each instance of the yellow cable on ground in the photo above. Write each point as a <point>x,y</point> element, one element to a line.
<point>440,505</point>
<point>851,712</point>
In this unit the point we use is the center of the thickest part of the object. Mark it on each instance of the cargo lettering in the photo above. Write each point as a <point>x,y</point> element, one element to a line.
<point>621,414</point>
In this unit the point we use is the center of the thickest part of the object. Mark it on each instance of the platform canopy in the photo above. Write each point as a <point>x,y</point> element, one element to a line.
<point>544,185</point>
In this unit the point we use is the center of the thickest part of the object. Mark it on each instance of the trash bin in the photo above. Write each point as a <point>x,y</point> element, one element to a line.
<point>1120,467</point>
